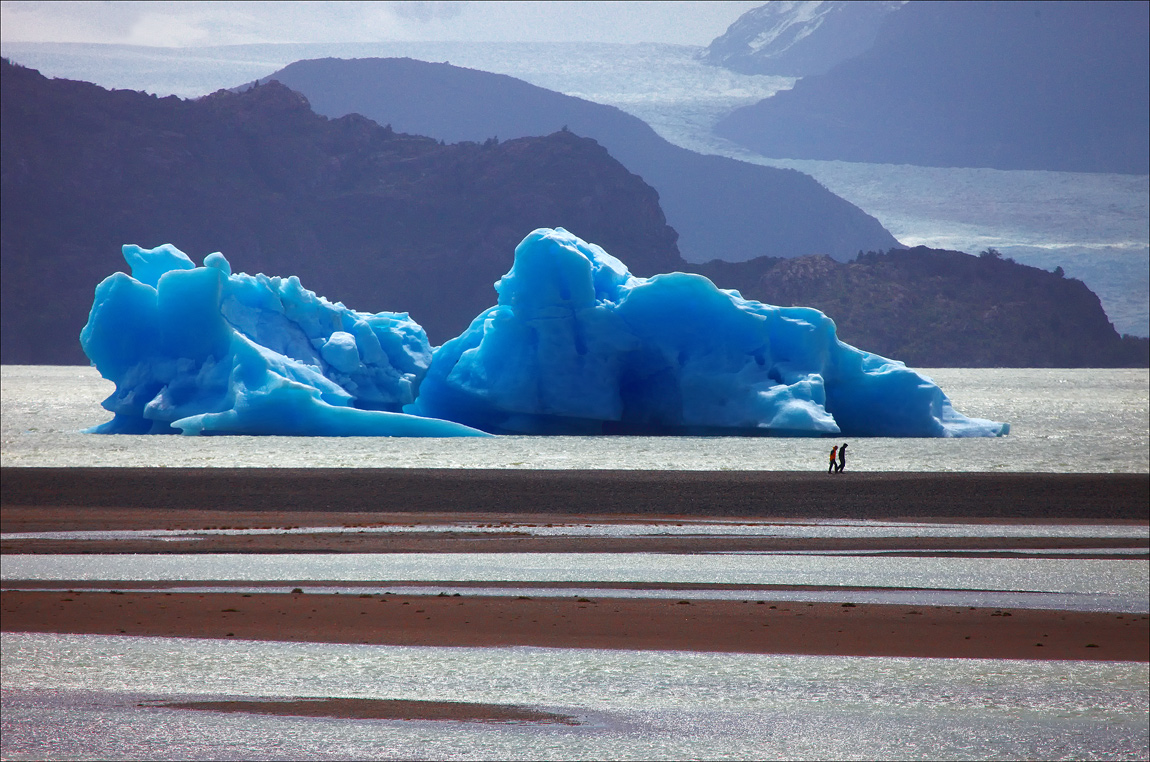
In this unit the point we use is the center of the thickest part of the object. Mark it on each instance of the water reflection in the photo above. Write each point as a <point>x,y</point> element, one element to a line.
<point>76,696</point>
<point>1084,420</point>
<point>1130,604</point>
<point>1062,575</point>
<point>836,528</point>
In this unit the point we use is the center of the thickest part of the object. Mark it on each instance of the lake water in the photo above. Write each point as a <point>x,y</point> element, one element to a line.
<point>1122,577</point>
<point>1115,584</point>
<point>804,528</point>
<point>78,696</point>
<point>1079,420</point>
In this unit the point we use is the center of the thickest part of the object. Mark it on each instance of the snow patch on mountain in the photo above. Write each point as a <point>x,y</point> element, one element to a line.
<point>798,37</point>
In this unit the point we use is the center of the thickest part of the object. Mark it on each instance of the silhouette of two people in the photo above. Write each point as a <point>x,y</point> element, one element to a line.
<point>838,452</point>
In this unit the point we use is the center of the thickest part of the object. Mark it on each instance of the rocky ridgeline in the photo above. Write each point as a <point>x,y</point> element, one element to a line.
<point>376,219</point>
<point>932,308</point>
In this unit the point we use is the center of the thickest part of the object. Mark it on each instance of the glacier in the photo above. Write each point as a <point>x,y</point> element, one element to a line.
<point>575,345</point>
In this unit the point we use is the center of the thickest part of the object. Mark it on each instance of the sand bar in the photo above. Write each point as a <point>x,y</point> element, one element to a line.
<point>50,499</point>
<point>376,709</point>
<point>694,625</point>
<point>224,532</point>
<point>605,492</point>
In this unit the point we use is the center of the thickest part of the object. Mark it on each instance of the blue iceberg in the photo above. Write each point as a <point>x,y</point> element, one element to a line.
<point>575,345</point>
<point>199,350</point>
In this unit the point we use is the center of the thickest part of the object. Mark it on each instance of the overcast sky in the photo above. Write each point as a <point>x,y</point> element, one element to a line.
<point>181,24</point>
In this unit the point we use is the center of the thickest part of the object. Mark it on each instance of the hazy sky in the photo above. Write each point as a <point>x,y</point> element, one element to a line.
<point>179,24</point>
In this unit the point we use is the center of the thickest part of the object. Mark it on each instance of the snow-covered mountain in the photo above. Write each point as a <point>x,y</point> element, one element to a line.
<point>796,38</point>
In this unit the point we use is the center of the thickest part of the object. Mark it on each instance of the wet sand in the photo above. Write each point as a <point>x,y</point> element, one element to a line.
<point>503,533</point>
<point>376,709</point>
<point>38,500</point>
<point>876,495</point>
<point>697,625</point>
<point>510,542</point>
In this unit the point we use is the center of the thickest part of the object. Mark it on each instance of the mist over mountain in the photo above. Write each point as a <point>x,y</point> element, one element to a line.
<point>721,208</point>
<point>1061,86</point>
<point>794,39</point>
<point>364,215</point>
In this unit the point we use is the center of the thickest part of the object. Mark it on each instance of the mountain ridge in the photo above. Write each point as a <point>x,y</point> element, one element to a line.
<point>388,221</point>
<point>721,208</point>
<point>1060,86</point>
<point>364,215</point>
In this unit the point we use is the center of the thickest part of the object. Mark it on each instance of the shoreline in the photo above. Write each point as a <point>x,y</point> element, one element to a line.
<point>429,501</point>
<point>703,494</point>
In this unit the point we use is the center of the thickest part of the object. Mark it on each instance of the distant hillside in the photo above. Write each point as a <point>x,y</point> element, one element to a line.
<point>364,215</point>
<point>721,208</point>
<point>1008,85</point>
<point>934,308</point>
<point>795,39</point>
<point>387,221</point>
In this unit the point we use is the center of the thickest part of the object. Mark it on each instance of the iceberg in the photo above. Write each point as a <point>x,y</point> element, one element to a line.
<point>198,350</point>
<point>577,345</point>
<point>574,345</point>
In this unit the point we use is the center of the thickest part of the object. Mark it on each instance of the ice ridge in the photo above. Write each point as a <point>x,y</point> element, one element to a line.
<point>200,350</point>
<point>575,345</point>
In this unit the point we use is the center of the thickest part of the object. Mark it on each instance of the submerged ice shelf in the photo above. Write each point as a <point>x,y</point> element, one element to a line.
<point>575,345</point>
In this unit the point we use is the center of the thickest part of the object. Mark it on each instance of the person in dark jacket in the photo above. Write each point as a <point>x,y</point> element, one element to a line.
<point>842,458</point>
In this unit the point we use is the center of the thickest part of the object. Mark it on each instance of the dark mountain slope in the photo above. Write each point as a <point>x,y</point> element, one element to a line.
<point>933,308</point>
<point>1010,85</point>
<point>385,221</point>
<point>376,219</point>
<point>721,208</point>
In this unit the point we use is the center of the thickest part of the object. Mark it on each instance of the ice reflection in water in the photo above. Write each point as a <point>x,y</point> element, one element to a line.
<point>76,695</point>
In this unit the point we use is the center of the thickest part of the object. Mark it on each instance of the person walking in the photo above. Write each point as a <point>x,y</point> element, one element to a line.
<point>834,452</point>
<point>842,458</point>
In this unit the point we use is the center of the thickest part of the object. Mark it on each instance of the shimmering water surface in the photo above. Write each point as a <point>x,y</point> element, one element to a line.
<point>838,528</point>
<point>77,696</point>
<point>1100,576</point>
<point>1085,584</point>
<point>1083,420</point>
<point>69,696</point>
<point>1109,603</point>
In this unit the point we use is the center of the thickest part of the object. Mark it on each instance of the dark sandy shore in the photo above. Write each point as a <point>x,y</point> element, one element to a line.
<point>656,624</point>
<point>376,709</point>
<point>564,493</point>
